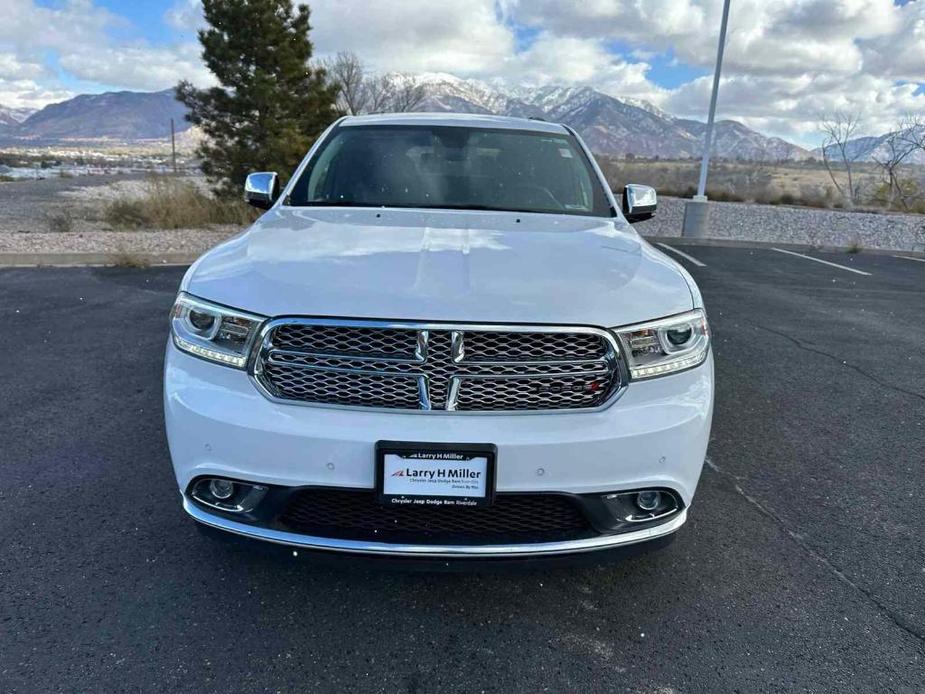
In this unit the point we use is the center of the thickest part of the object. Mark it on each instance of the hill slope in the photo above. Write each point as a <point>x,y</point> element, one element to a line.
<point>123,116</point>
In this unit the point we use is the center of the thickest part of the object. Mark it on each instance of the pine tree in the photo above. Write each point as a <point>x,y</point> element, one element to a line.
<point>271,103</point>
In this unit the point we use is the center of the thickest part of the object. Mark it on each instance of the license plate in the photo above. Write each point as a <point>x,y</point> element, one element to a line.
<point>435,474</point>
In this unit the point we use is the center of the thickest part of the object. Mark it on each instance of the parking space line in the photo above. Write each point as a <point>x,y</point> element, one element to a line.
<point>909,257</point>
<point>682,254</point>
<point>824,262</point>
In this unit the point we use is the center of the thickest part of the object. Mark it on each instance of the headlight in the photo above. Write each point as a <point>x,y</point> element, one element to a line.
<point>213,332</point>
<point>665,346</point>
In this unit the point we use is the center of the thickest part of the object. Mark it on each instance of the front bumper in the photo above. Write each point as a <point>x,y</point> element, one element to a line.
<point>655,435</point>
<point>533,549</point>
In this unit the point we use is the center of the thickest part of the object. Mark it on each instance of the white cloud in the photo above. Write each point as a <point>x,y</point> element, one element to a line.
<point>29,94</point>
<point>793,106</point>
<point>461,36</point>
<point>139,67</point>
<point>11,67</point>
<point>780,37</point>
<point>787,61</point>
<point>184,15</point>
<point>900,54</point>
<point>566,60</point>
<point>80,35</point>
<point>468,38</point>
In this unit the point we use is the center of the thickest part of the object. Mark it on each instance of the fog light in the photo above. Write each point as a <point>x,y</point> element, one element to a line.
<point>640,506</point>
<point>230,496</point>
<point>648,501</point>
<point>222,489</point>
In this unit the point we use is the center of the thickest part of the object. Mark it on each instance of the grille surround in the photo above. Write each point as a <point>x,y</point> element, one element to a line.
<point>441,366</point>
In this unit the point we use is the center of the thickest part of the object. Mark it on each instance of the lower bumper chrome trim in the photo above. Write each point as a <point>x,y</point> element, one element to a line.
<point>539,549</point>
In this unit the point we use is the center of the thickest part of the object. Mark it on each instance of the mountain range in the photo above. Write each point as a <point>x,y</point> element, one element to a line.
<point>116,116</point>
<point>616,126</point>
<point>876,148</point>
<point>610,125</point>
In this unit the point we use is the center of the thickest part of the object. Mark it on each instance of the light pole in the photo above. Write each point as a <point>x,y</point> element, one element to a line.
<point>695,211</point>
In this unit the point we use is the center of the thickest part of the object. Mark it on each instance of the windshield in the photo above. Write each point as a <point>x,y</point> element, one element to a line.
<point>451,167</point>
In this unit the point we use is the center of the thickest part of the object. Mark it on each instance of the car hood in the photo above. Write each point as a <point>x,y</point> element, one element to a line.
<point>442,266</point>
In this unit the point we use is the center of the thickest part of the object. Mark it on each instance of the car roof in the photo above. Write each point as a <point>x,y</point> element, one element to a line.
<point>469,120</point>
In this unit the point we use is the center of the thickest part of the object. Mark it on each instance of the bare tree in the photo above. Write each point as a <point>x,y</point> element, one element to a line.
<point>838,130</point>
<point>407,93</point>
<point>895,148</point>
<point>379,89</point>
<point>756,176</point>
<point>912,128</point>
<point>359,91</point>
<point>348,74</point>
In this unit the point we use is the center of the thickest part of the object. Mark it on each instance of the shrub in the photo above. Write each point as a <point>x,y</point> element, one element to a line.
<point>126,259</point>
<point>169,203</point>
<point>722,195</point>
<point>60,222</point>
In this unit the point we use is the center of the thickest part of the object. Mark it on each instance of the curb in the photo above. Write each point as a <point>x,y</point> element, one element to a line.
<point>77,259</point>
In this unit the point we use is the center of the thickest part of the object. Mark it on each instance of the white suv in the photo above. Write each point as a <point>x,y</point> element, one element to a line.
<point>443,340</point>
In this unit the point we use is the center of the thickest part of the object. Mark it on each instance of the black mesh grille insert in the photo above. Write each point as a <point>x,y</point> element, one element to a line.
<point>356,515</point>
<point>475,369</point>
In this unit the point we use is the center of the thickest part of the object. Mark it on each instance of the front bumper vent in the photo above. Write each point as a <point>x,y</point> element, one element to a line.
<point>512,518</point>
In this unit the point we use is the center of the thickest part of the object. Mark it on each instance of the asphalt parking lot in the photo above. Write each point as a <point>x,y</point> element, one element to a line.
<point>802,567</point>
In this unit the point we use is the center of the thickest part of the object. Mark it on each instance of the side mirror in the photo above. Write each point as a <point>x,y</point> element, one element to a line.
<point>261,189</point>
<point>639,202</point>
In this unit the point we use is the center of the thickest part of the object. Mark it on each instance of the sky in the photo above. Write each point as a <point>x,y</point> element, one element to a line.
<point>788,62</point>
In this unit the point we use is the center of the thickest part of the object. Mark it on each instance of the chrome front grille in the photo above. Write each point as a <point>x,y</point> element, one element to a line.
<point>446,367</point>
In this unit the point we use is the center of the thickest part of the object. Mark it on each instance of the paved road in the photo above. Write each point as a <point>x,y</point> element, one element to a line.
<point>802,567</point>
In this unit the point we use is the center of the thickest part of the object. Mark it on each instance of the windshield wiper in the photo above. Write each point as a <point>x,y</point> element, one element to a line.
<point>339,203</point>
<point>418,206</point>
<point>484,208</point>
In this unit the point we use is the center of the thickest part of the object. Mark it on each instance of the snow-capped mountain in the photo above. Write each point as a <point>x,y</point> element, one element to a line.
<point>12,117</point>
<point>610,125</point>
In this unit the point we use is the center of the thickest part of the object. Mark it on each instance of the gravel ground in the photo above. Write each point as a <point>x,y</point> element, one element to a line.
<point>799,225</point>
<point>193,241</point>
<point>30,206</point>
<point>34,212</point>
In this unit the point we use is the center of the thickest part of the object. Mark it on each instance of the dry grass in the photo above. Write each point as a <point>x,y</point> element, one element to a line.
<point>126,258</point>
<point>788,183</point>
<point>60,222</point>
<point>172,203</point>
